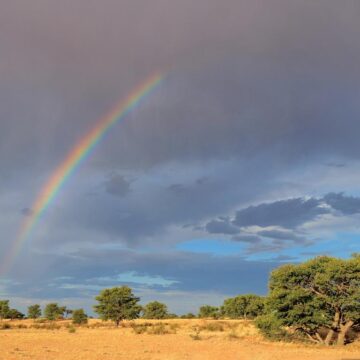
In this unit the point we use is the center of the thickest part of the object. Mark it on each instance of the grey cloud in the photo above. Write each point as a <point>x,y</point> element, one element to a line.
<point>282,235</point>
<point>220,227</point>
<point>347,205</point>
<point>117,185</point>
<point>286,213</point>
<point>252,239</point>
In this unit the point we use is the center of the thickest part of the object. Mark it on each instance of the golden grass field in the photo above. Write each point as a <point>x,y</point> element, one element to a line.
<point>167,339</point>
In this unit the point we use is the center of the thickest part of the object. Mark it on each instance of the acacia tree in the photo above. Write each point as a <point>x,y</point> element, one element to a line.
<point>53,311</point>
<point>243,306</point>
<point>79,317</point>
<point>34,311</point>
<point>321,293</point>
<point>208,311</point>
<point>155,310</point>
<point>117,304</point>
<point>4,309</point>
<point>15,314</point>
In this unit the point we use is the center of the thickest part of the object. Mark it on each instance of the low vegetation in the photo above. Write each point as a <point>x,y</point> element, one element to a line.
<point>317,301</point>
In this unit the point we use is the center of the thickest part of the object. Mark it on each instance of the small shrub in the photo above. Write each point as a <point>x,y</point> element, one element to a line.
<point>196,334</point>
<point>48,326</point>
<point>21,326</point>
<point>158,329</point>
<point>72,329</point>
<point>232,335</point>
<point>213,326</point>
<point>139,329</point>
<point>5,326</point>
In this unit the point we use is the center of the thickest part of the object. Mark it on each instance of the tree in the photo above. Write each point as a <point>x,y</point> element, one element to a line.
<point>79,317</point>
<point>321,293</point>
<point>243,306</point>
<point>4,309</point>
<point>155,310</point>
<point>34,311</point>
<point>53,311</point>
<point>117,304</point>
<point>207,311</point>
<point>15,314</point>
<point>188,316</point>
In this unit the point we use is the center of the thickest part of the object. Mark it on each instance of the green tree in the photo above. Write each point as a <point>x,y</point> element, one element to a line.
<point>321,293</point>
<point>4,309</point>
<point>15,314</point>
<point>53,311</point>
<point>34,311</point>
<point>188,316</point>
<point>208,311</point>
<point>79,317</point>
<point>117,304</point>
<point>155,310</point>
<point>243,306</point>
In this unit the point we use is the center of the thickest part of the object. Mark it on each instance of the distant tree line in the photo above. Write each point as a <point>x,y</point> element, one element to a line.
<point>318,300</point>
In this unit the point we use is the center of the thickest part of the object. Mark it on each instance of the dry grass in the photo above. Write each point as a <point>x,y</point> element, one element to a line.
<point>159,340</point>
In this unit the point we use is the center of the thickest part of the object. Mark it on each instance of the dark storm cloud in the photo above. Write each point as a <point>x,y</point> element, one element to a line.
<point>286,213</point>
<point>347,205</point>
<point>220,227</point>
<point>251,239</point>
<point>117,185</point>
<point>257,90</point>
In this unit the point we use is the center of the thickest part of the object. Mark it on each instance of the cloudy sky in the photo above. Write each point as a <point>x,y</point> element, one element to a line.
<point>245,157</point>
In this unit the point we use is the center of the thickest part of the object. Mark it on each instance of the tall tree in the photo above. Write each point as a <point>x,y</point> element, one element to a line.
<point>208,311</point>
<point>155,310</point>
<point>322,292</point>
<point>243,306</point>
<point>53,311</point>
<point>4,309</point>
<point>34,311</point>
<point>117,304</point>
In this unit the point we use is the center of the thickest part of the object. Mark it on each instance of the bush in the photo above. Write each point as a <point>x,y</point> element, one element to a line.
<point>79,317</point>
<point>72,329</point>
<point>270,327</point>
<point>158,329</point>
<point>213,326</point>
<point>5,326</point>
<point>139,329</point>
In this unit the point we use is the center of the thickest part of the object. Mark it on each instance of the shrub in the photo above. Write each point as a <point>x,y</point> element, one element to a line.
<point>270,327</point>
<point>139,328</point>
<point>158,329</point>
<point>196,334</point>
<point>213,326</point>
<point>79,317</point>
<point>72,329</point>
<point>5,326</point>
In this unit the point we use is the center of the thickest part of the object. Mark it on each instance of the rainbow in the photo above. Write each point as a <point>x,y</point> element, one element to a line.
<point>73,160</point>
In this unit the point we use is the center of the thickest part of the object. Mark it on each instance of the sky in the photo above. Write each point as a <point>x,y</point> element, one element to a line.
<point>245,157</point>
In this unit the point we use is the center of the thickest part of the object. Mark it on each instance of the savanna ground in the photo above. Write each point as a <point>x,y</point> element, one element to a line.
<point>151,339</point>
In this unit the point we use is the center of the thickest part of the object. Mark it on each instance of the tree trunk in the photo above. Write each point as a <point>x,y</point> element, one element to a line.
<point>343,331</point>
<point>329,337</point>
<point>334,327</point>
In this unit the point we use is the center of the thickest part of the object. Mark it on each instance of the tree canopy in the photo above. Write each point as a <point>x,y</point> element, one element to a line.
<point>320,293</point>
<point>117,304</point>
<point>155,310</point>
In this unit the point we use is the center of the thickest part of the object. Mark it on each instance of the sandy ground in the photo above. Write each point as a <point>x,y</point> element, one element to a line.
<point>100,341</point>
